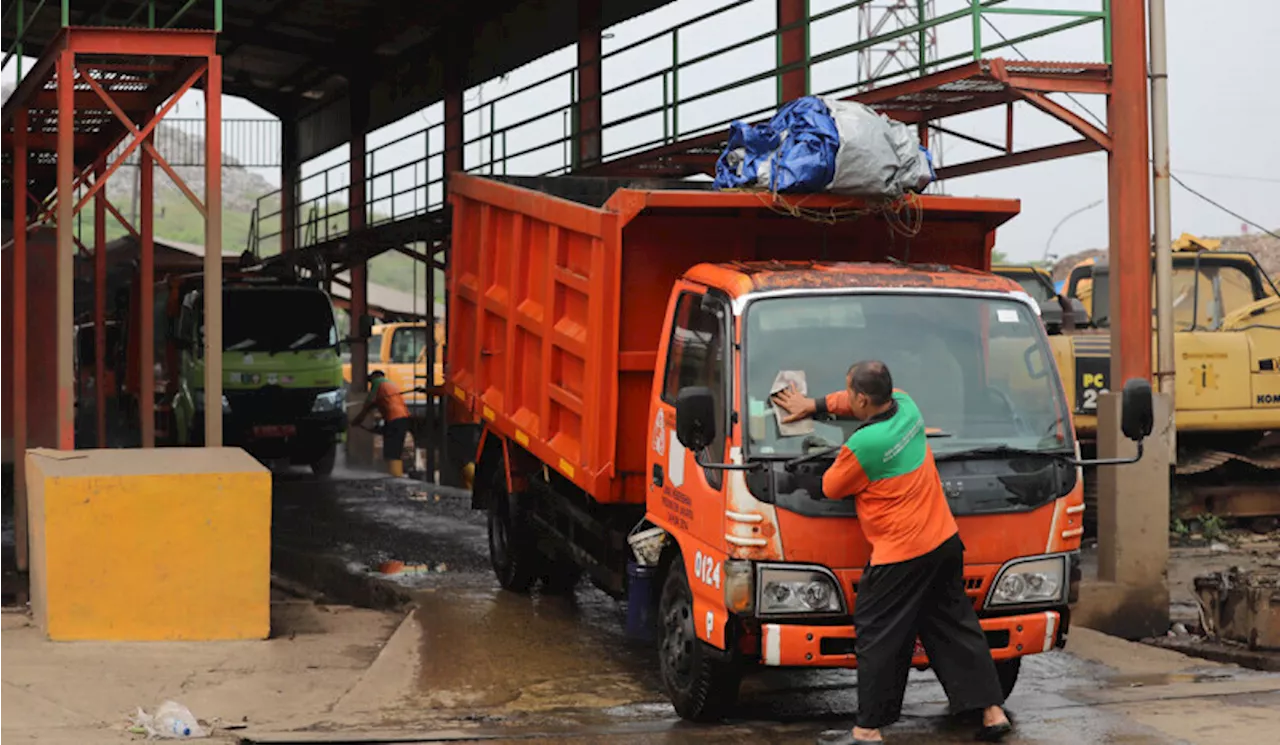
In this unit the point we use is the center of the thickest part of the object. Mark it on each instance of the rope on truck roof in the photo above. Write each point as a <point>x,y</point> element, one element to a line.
<point>903,215</point>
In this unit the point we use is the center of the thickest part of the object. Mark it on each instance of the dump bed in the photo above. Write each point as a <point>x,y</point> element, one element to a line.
<point>556,305</point>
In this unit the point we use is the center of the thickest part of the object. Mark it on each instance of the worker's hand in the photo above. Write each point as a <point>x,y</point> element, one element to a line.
<point>797,405</point>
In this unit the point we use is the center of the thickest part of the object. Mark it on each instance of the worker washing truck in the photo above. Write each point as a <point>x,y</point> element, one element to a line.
<point>615,351</point>
<point>400,350</point>
<point>283,396</point>
<point>386,398</point>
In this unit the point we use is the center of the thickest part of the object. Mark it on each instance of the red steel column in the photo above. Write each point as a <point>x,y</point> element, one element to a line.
<point>147,299</point>
<point>1129,196</point>
<point>359,98</point>
<point>100,302</point>
<point>19,321</point>
<point>213,253</point>
<point>453,137</point>
<point>791,48</point>
<point>589,103</point>
<point>288,185</point>
<point>64,378</point>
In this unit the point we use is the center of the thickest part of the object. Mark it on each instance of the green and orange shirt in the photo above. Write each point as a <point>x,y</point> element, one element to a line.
<point>387,398</point>
<point>888,468</point>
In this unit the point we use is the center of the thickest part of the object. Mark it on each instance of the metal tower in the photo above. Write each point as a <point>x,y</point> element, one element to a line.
<point>912,53</point>
<point>902,54</point>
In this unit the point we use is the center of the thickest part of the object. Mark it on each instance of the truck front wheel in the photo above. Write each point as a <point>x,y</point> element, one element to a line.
<point>323,466</point>
<point>1007,671</point>
<point>513,549</point>
<point>700,687</point>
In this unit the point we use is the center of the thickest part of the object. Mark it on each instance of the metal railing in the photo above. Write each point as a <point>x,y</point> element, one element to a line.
<point>143,16</point>
<point>246,143</point>
<point>405,177</point>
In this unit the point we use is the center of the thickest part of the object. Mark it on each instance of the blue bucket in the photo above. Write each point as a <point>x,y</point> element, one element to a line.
<point>641,609</point>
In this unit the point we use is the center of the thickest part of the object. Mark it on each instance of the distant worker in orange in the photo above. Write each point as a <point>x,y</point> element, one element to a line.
<point>913,585</point>
<point>387,399</point>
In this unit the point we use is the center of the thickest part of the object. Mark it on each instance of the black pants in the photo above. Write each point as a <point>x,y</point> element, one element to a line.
<point>922,597</point>
<point>393,433</point>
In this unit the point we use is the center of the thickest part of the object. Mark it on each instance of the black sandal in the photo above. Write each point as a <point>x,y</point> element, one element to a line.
<point>994,733</point>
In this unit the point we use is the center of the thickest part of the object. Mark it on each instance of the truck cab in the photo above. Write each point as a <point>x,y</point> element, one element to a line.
<point>283,396</point>
<point>773,565</point>
<point>1225,331</point>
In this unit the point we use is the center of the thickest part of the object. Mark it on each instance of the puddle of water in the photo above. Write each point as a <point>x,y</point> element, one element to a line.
<point>1161,679</point>
<point>488,648</point>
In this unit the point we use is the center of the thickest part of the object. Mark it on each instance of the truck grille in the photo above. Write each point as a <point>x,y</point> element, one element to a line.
<point>272,404</point>
<point>973,586</point>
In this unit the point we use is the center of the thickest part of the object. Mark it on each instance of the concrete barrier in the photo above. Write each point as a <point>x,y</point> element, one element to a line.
<point>148,545</point>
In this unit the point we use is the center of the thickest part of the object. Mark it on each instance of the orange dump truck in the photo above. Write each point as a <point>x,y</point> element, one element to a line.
<point>614,354</point>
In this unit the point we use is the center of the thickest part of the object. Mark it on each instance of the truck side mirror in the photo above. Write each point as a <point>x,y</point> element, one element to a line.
<point>695,418</point>
<point>1136,418</point>
<point>1136,421</point>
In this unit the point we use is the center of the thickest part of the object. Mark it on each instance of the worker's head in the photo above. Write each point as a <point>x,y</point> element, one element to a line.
<point>870,388</point>
<point>376,376</point>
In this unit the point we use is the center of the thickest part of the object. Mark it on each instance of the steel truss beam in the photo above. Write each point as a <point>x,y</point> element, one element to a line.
<point>959,90</point>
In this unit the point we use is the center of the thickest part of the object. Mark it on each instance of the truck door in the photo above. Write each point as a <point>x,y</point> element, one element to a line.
<point>683,497</point>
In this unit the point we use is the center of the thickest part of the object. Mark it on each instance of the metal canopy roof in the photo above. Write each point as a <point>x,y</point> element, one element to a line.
<point>297,58</point>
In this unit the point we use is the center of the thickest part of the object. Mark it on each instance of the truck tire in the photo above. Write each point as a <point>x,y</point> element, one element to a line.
<point>323,466</point>
<point>1007,671</point>
<point>700,687</point>
<point>513,549</point>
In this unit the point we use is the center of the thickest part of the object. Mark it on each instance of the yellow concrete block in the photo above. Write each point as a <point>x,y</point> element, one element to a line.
<point>150,544</point>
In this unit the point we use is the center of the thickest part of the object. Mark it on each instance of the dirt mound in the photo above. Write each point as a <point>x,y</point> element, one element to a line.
<point>1265,247</point>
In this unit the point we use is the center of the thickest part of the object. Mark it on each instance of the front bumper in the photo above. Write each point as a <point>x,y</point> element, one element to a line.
<point>314,434</point>
<point>795,645</point>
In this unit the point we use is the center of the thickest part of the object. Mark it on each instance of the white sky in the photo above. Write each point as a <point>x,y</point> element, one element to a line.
<point>1222,73</point>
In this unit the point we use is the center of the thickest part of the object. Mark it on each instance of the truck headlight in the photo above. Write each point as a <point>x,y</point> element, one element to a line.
<point>329,401</point>
<point>802,590</point>
<point>199,401</point>
<point>1030,582</point>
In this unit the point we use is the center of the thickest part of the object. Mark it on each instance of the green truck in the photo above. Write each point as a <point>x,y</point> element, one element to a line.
<point>283,392</point>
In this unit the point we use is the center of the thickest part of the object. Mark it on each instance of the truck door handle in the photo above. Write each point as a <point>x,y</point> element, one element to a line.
<point>657,475</point>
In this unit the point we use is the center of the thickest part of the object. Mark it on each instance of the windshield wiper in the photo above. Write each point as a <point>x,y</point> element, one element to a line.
<point>792,464</point>
<point>998,451</point>
<point>304,339</point>
<point>825,452</point>
<point>241,345</point>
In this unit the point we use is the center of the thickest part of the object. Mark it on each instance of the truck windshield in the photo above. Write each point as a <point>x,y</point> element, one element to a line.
<point>977,367</point>
<point>277,320</point>
<point>407,344</point>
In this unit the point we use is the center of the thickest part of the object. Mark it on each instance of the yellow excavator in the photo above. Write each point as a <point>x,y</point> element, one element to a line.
<point>1226,381</point>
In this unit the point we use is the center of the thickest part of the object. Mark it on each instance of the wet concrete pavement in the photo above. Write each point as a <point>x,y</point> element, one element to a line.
<point>477,662</point>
